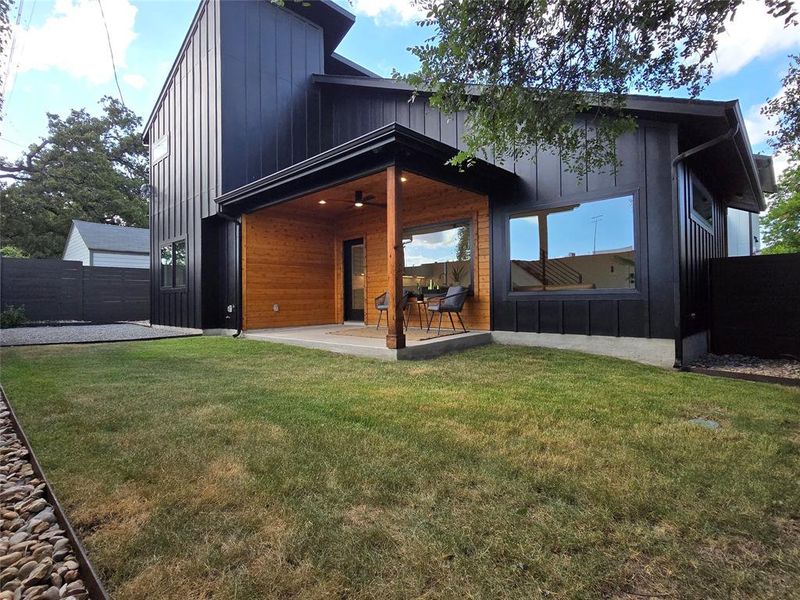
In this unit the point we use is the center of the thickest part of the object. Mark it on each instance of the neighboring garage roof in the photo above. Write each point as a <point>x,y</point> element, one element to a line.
<point>113,238</point>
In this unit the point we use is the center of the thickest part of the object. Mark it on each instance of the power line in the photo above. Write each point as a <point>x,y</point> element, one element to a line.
<point>13,43</point>
<point>13,66</point>
<point>111,51</point>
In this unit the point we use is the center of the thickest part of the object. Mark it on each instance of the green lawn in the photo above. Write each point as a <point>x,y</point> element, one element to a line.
<point>220,468</point>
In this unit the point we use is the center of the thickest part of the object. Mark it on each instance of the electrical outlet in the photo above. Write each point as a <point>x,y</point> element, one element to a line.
<point>275,308</point>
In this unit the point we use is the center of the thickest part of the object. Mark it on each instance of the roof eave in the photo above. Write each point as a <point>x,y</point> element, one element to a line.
<point>366,147</point>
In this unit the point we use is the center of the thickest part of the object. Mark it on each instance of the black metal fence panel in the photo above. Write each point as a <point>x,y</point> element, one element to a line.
<point>65,290</point>
<point>756,305</point>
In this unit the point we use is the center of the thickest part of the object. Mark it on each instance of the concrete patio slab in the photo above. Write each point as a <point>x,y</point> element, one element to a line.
<point>323,337</point>
<point>657,352</point>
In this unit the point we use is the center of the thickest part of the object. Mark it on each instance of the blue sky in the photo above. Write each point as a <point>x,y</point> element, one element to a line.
<point>61,57</point>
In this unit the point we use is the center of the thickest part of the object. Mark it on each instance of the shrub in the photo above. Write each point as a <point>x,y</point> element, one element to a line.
<point>12,316</point>
<point>13,252</point>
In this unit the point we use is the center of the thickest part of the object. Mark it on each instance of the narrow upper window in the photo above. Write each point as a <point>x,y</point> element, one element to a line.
<point>160,148</point>
<point>702,206</point>
<point>585,246</point>
<point>173,264</point>
<point>166,266</point>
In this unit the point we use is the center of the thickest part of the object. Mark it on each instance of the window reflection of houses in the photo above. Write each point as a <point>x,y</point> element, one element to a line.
<point>605,256</point>
<point>437,256</point>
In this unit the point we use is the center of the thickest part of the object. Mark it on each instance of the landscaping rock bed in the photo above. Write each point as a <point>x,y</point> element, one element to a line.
<point>786,368</point>
<point>83,334</point>
<point>37,560</point>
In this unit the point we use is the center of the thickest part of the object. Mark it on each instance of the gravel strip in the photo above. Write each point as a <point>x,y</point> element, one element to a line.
<point>37,561</point>
<point>71,334</point>
<point>737,363</point>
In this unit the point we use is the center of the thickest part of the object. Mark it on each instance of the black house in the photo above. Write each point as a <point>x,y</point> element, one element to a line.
<point>291,186</point>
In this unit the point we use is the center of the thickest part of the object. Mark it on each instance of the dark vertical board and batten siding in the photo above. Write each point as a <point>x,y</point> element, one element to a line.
<point>185,183</point>
<point>271,107</point>
<point>700,245</point>
<point>235,111</point>
<point>545,181</point>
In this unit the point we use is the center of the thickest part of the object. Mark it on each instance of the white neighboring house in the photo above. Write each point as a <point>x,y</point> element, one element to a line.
<point>101,245</point>
<point>744,235</point>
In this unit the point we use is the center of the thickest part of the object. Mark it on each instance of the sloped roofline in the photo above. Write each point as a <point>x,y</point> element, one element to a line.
<point>759,174</point>
<point>93,245</point>
<point>371,151</point>
<point>316,12</point>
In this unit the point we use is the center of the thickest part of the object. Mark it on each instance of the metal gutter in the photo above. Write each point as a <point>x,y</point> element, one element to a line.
<point>680,231</point>
<point>239,311</point>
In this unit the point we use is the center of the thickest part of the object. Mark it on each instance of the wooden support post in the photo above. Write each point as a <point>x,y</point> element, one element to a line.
<point>396,338</point>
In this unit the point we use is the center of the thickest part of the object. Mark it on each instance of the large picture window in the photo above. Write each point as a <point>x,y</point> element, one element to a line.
<point>586,246</point>
<point>437,257</point>
<point>173,264</point>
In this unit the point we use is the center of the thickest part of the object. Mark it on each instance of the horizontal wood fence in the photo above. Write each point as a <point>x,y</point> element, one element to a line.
<point>65,290</point>
<point>756,305</point>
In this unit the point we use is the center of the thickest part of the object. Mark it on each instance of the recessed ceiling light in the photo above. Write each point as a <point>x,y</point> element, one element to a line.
<point>323,202</point>
<point>404,179</point>
<point>359,204</point>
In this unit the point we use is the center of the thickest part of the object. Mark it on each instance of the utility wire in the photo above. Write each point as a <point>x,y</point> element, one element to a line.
<point>111,51</point>
<point>12,66</point>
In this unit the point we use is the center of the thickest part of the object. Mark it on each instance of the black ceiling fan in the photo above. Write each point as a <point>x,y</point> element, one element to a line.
<point>360,200</point>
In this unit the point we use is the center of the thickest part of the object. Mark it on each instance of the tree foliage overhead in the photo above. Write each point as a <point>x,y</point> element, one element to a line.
<point>781,224</point>
<point>93,168</point>
<point>785,108</point>
<point>539,64</point>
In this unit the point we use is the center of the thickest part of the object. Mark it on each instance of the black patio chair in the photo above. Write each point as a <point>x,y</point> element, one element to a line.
<point>382,305</point>
<point>449,303</point>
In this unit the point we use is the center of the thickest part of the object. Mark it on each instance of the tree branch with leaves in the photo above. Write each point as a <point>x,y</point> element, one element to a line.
<point>87,167</point>
<point>525,71</point>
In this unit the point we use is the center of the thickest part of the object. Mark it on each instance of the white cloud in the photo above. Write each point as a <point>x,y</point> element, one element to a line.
<point>134,80</point>
<point>779,163</point>
<point>387,12</point>
<point>752,34</point>
<point>758,125</point>
<point>73,39</point>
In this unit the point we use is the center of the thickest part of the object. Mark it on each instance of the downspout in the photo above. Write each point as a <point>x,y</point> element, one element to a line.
<point>238,222</point>
<point>728,135</point>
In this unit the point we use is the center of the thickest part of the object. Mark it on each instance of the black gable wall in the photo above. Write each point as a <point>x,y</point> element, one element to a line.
<point>185,183</point>
<point>271,109</point>
<point>645,172</point>
<point>237,106</point>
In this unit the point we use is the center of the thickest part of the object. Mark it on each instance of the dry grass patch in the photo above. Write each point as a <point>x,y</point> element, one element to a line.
<point>219,469</point>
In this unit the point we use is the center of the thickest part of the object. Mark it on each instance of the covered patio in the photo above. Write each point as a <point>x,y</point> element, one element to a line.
<point>348,338</point>
<point>324,240</point>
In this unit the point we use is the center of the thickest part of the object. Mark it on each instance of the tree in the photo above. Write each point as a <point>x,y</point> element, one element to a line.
<point>785,107</point>
<point>462,246</point>
<point>13,252</point>
<point>781,224</point>
<point>88,167</point>
<point>540,64</point>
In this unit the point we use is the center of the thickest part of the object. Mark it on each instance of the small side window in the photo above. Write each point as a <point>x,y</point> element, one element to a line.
<point>166,266</point>
<point>160,149</point>
<point>179,257</point>
<point>173,261</point>
<point>702,206</point>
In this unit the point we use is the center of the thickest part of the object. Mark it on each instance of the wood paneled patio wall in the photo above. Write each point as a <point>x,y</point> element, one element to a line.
<point>292,253</point>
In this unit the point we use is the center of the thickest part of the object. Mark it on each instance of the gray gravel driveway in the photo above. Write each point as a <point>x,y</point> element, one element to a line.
<point>75,334</point>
